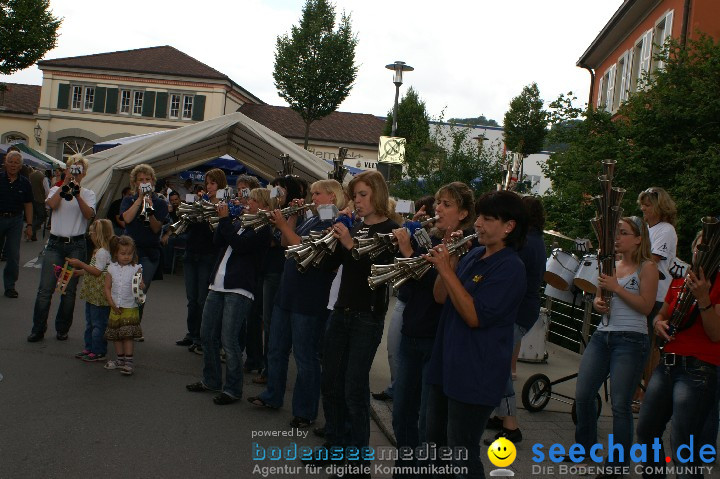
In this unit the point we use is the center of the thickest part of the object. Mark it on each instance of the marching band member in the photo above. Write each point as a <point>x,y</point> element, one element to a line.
<point>620,345</point>
<point>299,316</point>
<point>682,390</point>
<point>470,362</point>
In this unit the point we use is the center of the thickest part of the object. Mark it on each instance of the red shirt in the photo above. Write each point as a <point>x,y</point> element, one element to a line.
<point>693,341</point>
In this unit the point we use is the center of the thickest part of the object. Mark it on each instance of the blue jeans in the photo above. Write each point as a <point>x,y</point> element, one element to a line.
<point>271,284</point>
<point>393,344</point>
<point>223,317</point>
<point>303,334</point>
<point>508,404</point>
<point>197,269</point>
<point>410,402</point>
<point>457,424</point>
<point>683,396</point>
<point>349,347</point>
<point>251,336</point>
<point>622,355</point>
<point>96,320</point>
<point>55,253</point>
<point>10,233</point>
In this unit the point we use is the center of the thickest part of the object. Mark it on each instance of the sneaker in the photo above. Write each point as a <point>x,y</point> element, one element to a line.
<point>126,369</point>
<point>92,357</point>
<point>82,353</point>
<point>114,364</point>
<point>494,424</point>
<point>196,348</point>
<point>514,436</point>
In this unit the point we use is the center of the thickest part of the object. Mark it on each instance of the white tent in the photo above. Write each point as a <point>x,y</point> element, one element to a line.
<point>173,151</point>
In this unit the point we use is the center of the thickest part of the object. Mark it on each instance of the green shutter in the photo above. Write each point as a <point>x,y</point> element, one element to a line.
<point>99,103</point>
<point>111,100</point>
<point>148,103</point>
<point>63,96</point>
<point>161,105</point>
<point>198,113</point>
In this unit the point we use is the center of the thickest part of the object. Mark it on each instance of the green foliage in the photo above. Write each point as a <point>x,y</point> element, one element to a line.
<point>413,125</point>
<point>28,30</point>
<point>476,121</point>
<point>315,65</point>
<point>525,123</point>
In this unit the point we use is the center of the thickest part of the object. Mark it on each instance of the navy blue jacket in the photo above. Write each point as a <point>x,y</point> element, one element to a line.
<point>248,251</point>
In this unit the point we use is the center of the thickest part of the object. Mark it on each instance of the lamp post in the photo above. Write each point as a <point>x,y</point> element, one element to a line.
<point>398,67</point>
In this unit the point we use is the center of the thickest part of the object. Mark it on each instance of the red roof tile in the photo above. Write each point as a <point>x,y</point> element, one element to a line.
<point>340,127</point>
<point>20,99</point>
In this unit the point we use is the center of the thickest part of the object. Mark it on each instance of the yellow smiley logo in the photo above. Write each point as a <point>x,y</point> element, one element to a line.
<point>502,452</point>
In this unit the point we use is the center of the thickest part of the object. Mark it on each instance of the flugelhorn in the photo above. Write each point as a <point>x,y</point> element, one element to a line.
<point>382,242</point>
<point>147,209</point>
<point>404,269</point>
<point>262,217</point>
<point>71,189</point>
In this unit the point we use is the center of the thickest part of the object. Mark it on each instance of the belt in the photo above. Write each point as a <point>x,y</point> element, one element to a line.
<point>9,214</point>
<point>672,359</point>
<point>65,239</point>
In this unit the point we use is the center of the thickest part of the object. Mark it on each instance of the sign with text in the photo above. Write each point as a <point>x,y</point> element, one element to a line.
<point>392,149</point>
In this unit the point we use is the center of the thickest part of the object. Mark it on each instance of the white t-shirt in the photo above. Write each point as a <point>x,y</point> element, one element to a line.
<point>663,242</point>
<point>67,219</point>
<point>102,258</point>
<point>122,276</point>
<point>218,283</point>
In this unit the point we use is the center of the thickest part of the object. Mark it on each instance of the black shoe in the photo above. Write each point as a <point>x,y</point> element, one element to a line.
<point>223,399</point>
<point>184,342</point>
<point>383,396</point>
<point>35,337</point>
<point>11,293</point>
<point>494,424</point>
<point>198,387</point>
<point>514,436</point>
<point>196,348</point>
<point>319,431</point>
<point>61,336</point>
<point>300,422</point>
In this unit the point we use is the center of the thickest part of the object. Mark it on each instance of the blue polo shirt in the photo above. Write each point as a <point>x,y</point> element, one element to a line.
<point>472,364</point>
<point>14,195</point>
<point>137,229</point>
<point>534,257</point>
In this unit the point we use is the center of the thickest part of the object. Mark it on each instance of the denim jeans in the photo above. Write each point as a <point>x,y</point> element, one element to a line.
<point>55,253</point>
<point>271,284</point>
<point>683,396</point>
<point>411,391</point>
<point>96,320</point>
<point>393,344</point>
<point>251,335</point>
<point>349,347</point>
<point>508,404</point>
<point>622,355</point>
<point>197,269</point>
<point>223,317</point>
<point>10,234</point>
<point>303,334</point>
<point>457,424</point>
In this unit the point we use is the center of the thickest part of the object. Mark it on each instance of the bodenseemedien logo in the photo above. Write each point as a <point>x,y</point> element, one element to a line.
<point>502,453</point>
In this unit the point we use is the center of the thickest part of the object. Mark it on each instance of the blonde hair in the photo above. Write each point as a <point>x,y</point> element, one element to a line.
<point>101,232</point>
<point>141,168</point>
<point>464,199</point>
<point>331,186</point>
<point>116,242</point>
<point>380,196</point>
<point>78,158</point>
<point>661,203</point>
<point>262,196</point>
<point>639,228</point>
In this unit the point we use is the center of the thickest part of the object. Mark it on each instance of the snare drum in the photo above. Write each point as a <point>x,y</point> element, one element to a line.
<point>560,269</point>
<point>586,277</point>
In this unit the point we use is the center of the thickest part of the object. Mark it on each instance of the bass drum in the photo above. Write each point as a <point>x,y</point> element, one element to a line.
<point>587,275</point>
<point>560,269</point>
<point>533,345</point>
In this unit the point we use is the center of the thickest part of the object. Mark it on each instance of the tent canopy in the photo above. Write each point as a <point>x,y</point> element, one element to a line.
<point>244,139</point>
<point>28,159</point>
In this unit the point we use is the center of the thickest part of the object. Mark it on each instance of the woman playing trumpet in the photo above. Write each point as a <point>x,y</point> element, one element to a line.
<point>298,318</point>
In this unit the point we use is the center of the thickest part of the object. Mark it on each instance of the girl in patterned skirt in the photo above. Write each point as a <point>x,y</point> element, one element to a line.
<point>124,322</point>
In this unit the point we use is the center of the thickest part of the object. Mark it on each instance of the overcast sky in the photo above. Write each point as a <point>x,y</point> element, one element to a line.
<point>470,56</point>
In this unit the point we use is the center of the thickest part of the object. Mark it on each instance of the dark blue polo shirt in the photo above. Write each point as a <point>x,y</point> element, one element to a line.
<point>533,255</point>
<point>472,364</point>
<point>14,195</point>
<point>137,229</point>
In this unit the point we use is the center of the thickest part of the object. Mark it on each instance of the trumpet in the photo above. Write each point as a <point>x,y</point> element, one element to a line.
<point>147,209</point>
<point>707,258</point>
<point>405,269</point>
<point>382,242</point>
<point>262,217</point>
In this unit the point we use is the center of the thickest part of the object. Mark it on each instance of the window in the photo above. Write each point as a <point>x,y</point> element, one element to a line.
<point>14,137</point>
<point>89,98</point>
<point>125,101</point>
<point>187,107</point>
<point>642,56</point>
<point>76,97</point>
<point>663,31</point>
<point>175,106</point>
<point>138,102</point>
<point>73,145</point>
<point>606,89</point>
<point>622,82</point>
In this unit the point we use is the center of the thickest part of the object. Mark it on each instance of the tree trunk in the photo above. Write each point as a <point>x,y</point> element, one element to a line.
<point>307,133</point>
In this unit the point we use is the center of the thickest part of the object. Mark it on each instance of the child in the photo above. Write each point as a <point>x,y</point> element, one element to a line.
<point>124,323</point>
<point>92,291</point>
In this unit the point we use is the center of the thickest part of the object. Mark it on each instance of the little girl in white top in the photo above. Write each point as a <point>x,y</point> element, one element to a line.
<point>124,322</point>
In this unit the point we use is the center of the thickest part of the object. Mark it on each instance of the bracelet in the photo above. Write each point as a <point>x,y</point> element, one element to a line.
<point>702,309</point>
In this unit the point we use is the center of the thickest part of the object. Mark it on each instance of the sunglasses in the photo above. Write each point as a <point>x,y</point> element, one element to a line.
<point>651,191</point>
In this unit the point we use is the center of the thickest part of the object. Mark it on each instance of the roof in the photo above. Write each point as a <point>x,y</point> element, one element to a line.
<point>20,98</point>
<point>338,127</point>
<point>163,60</point>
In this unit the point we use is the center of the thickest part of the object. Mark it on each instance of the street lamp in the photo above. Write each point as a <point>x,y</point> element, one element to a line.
<point>398,67</point>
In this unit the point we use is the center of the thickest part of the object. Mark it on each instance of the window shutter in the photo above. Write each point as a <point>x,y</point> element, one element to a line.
<point>646,53</point>
<point>63,96</point>
<point>610,88</point>
<point>148,103</point>
<point>628,73</point>
<point>668,26</point>
<point>623,77</point>
<point>161,105</point>
<point>599,93</point>
<point>111,100</point>
<point>99,102</point>
<point>198,113</point>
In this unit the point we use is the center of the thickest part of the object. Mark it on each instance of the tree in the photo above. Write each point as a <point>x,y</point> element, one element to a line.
<point>525,123</point>
<point>28,30</point>
<point>315,65</point>
<point>476,121</point>
<point>413,125</point>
